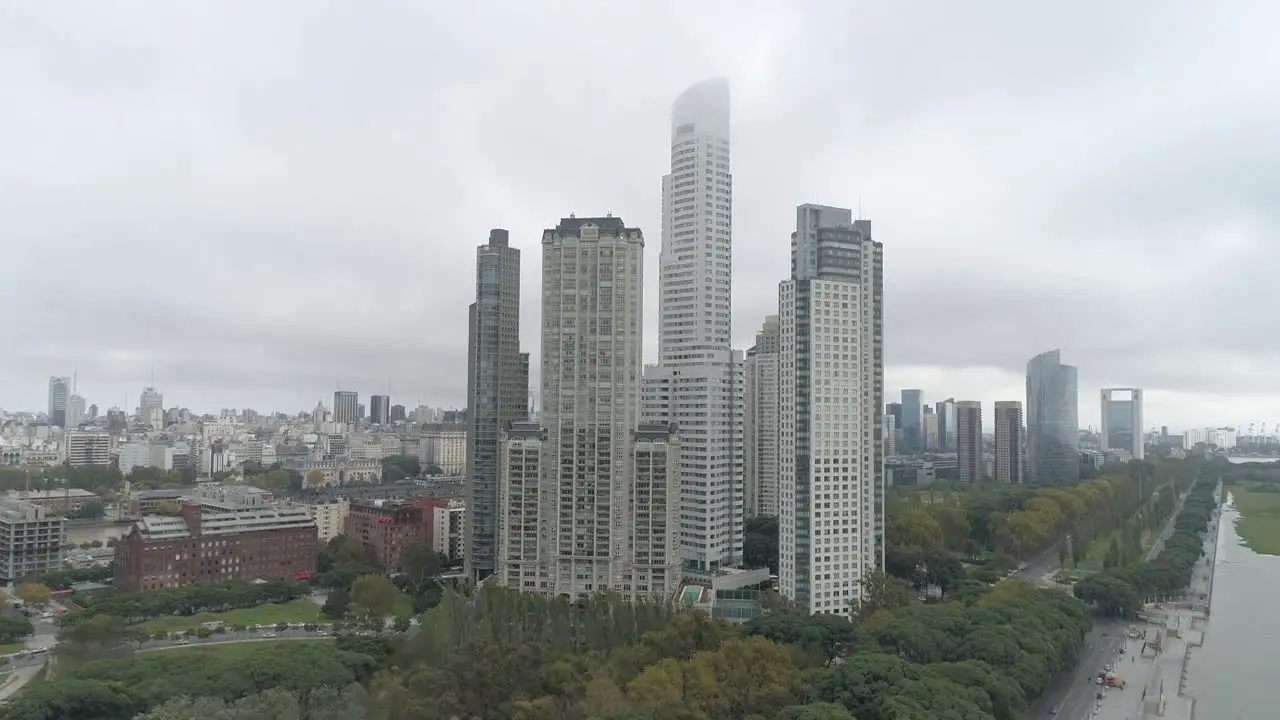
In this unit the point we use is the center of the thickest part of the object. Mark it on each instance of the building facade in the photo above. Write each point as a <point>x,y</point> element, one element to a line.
<point>969,458</point>
<point>913,420</point>
<point>219,534</point>
<point>1010,467</point>
<point>582,505</point>
<point>346,407</point>
<point>88,447</point>
<point>497,392</point>
<point>831,380</point>
<point>31,538</point>
<point>1053,422</point>
<point>59,391</point>
<point>760,423</point>
<point>448,530</point>
<point>380,409</point>
<point>946,412</point>
<point>695,358</point>
<point>1122,421</point>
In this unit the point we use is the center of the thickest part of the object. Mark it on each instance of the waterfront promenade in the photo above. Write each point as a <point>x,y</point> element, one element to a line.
<point>1157,679</point>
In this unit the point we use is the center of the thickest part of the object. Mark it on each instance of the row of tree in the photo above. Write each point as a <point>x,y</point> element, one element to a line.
<point>192,599</point>
<point>1121,591</point>
<point>119,689</point>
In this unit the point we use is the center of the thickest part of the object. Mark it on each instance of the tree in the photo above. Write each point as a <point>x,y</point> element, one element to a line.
<point>816,711</point>
<point>336,604</point>
<point>373,595</point>
<point>14,628</point>
<point>420,564</point>
<point>315,478</point>
<point>36,594</point>
<point>168,507</point>
<point>880,592</point>
<point>276,481</point>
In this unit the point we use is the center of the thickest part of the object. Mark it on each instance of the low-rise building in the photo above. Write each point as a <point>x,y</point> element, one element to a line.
<point>58,501</point>
<point>31,539</point>
<point>337,472</point>
<point>221,533</point>
<point>387,527</point>
<point>330,516</point>
<point>144,502</point>
<point>145,454</point>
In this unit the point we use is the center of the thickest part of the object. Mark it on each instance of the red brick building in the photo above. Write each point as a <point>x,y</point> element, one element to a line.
<point>386,527</point>
<point>210,543</point>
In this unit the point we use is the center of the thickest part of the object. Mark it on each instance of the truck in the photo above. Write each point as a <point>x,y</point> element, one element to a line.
<point>1114,680</point>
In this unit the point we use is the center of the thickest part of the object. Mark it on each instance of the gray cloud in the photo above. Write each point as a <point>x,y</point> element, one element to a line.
<point>263,200</point>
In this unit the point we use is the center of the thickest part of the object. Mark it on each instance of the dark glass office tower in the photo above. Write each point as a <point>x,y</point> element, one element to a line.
<point>497,392</point>
<point>1053,421</point>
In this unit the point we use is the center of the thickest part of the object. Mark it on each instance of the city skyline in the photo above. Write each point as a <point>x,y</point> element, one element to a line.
<point>341,175</point>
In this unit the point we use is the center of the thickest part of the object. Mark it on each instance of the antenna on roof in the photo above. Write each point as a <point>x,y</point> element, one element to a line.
<point>859,207</point>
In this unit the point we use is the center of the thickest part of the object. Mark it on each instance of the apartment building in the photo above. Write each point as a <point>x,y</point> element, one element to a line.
<point>831,380</point>
<point>31,538</point>
<point>387,527</point>
<point>1010,443</point>
<point>969,457</point>
<point>88,447</point>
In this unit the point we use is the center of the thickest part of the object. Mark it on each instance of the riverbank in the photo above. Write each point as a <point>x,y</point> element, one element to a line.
<point>1159,661</point>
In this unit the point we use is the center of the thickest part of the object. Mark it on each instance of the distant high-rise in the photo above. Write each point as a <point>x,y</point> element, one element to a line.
<point>590,500</point>
<point>946,412</point>
<point>831,400</point>
<point>346,406</point>
<point>760,423</point>
<point>380,409</point>
<point>398,413</point>
<point>150,399</point>
<point>929,431</point>
<point>59,391</point>
<point>1122,421</point>
<point>969,459</point>
<point>1053,422</point>
<point>913,419</point>
<point>695,378</point>
<point>1010,443</point>
<point>75,411</point>
<point>497,393</point>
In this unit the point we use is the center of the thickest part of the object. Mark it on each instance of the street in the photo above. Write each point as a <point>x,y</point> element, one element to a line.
<point>1073,695</point>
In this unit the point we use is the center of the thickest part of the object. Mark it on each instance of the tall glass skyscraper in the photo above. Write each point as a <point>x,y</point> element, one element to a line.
<point>1053,421</point>
<point>497,392</point>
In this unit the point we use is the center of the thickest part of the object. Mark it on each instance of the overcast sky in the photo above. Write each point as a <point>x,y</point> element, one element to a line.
<point>262,200</point>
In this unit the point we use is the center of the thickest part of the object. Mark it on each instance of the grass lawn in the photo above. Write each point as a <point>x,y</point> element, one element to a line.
<point>1097,551</point>
<point>301,610</point>
<point>12,648</point>
<point>1259,524</point>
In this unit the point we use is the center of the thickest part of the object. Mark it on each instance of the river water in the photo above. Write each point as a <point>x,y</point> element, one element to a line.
<point>1233,676</point>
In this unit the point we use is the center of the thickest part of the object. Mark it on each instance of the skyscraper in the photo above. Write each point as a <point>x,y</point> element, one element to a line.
<point>1053,422</point>
<point>1122,421</point>
<point>59,391</point>
<point>346,406</point>
<point>946,412</point>
<point>831,395</point>
<point>695,374</point>
<point>591,500</point>
<point>912,419</point>
<point>760,423</point>
<point>75,411</point>
<point>380,409</point>
<point>497,393</point>
<point>150,399</point>
<point>1010,443</point>
<point>969,459</point>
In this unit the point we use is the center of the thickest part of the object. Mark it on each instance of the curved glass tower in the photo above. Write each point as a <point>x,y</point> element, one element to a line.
<point>1053,421</point>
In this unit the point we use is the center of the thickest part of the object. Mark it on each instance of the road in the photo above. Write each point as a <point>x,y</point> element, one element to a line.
<point>1038,567</point>
<point>1073,695</point>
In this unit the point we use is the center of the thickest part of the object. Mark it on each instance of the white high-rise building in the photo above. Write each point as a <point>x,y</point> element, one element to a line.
<point>760,423</point>
<point>696,369</point>
<point>1122,421</point>
<point>831,400</point>
<point>590,500</point>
